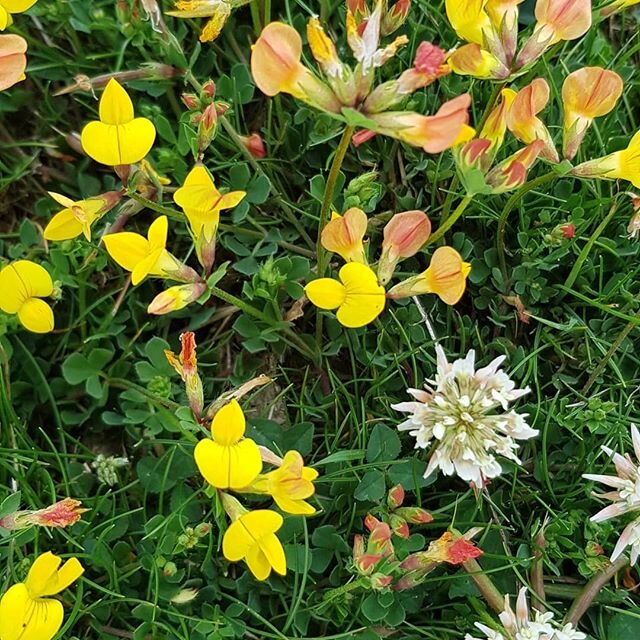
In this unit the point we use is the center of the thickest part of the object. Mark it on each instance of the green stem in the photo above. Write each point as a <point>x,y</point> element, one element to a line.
<point>508,208</point>
<point>450,221</point>
<point>584,254</point>
<point>252,311</point>
<point>612,349</point>
<point>486,587</point>
<point>591,590</point>
<point>327,198</point>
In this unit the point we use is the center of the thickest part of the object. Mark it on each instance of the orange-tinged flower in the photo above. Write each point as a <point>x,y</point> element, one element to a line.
<point>186,366</point>
<point>289,485</point>
<point>556,20</point>
<point>495,126</point>
<point>504,18</point>
<point>13,60</point>
<point>228,459</point>
<point>218,11</point>
<point>512,172</point>
<point>61,514</point>
<point>433,133</point>
<point>522,118</point>
<point>446,277</point>
<point>276,68</point>
<point>404,235</point>
<point>473,60</point>
<point>176,298</point>
<point>587,93</point>
<point>344,234</point>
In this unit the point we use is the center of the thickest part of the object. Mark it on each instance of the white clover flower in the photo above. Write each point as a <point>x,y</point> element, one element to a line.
<point>518,625</point>
<point>466,413</point>
<point>625,496</point>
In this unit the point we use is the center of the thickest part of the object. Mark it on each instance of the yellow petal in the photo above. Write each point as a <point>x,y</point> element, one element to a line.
<point>224,467</point>
<point>262,522</point>
<point>295,507</point>
<point>36,316</point>
<point>17,6</point>
<point>127,248</point>
<point>42,572</point>
<point>272,549</point>
<point>213,27</point>
<point>63,226</point>
<point>468,18</point>
<point>115,145</point>
<point>14,606</point>
<point>22,618</point>
<point>237,541</point>
<point>115,104</point>
<point>4,23</point>
<point>258,563</point>
<point>364,299</point>
<point>65,576</point>
<point>157,233</point>
<point>326,293</point>
<point>447,275</point>
<point>198,192</point>
<point>245,463</point>
<point>145,267</point>
<point>61,200</point>
<point>20,281</point>
<point>228,424</point>
<point>231,199</point>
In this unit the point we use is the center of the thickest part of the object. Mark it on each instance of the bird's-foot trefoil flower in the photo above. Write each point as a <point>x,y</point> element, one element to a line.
<point>620,165</point>
<point>504,19</point>
<point>276,68</point>
<point>13,60</point>
<point>10,7</point>
<point>202,203</point>
<point>523,121</point>
<point>625,496</point>
<point>26,613</point>
<point>472,60</point>
<point>186,365</point>
<point>512,172</point>
<point>463,418</point>
<point>520,625</point>
<point>59,515</point>
<point>289,485</point>
<point>118,138</point>
<point>446,276</point>
<point>358,296</point>
<point>228,460</point>
<point>23,283</point>
<point>403,236</point>
<point>251,537</point>
<point>344,234</point>
<point>587,93</point>
<point>148,256</point>
<point>176,298</point>
<point>78,217</point>
<point>217,12</point>
<point>557,20</point>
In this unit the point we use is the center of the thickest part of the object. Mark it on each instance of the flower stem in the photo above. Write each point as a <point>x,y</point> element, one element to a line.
<point>327,198</point>
<point>508,208</point>
<point>450,221</point>
<point>584,254</point>
<point>486,587</point>
<point>256,313</point>
<point>591,590</point>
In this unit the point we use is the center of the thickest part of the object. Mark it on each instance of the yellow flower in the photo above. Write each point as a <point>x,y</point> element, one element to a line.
<point>25,611</point>
<point>147,256</point>
<point>343,235</point>
<point>228,460</point>
<point>202,202</point>
<point>7,7</point>
<point>472,60</point>
<point>623,165</point>
<point>77,217</point>
<point>446,277</point>
<point>218,11</point>
<point>23,283</point>
<point>588,93</point>
<point>288,485</point>
<point>468,19</point>
<point>118,138</point>
<point>358,297</point>
<point>176,298</point>
<point>252,538</point>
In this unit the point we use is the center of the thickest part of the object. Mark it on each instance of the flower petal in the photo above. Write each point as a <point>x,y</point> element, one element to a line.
<point>245,463</point>
<point>36,316</point>
<point>65,576</point>
<point>121,144</point>
<point>326,293</point>
<point>228,424</point>
<point>42,572</point>
<point>115,104</point>
<point>13,60</point>
<point>157,233</point>
<point>63,226</point>
<point>127,248</point>
<point>273,551</point>
<point>258,563</point>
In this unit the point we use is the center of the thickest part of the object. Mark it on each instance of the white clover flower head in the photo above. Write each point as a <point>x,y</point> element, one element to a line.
<point>519,626</point>
<point>625,496</point>
<point>467,413</point>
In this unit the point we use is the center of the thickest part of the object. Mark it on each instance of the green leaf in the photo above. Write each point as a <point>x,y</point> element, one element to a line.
<point>371,488</point>
<point>384,444</point>
<point>372,610</point>
<point>10,504</point>
<point>623,626</point>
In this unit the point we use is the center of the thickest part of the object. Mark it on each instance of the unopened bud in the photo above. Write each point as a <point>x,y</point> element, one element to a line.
<point>191,101</point>
<point>399,526</point>
<point>209,89</point>
<point>254,145</point>
<point>395,497</point>
<point>169,570</point>
<point>176,298</point>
